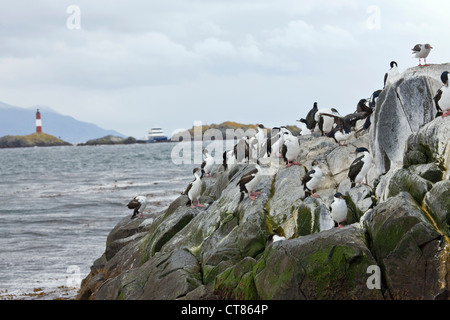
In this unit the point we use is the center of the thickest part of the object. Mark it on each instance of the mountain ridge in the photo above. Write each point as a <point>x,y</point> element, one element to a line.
<point>16,120</point>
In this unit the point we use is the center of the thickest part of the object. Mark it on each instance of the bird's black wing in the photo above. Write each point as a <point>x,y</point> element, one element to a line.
<point>133,204</point>
<point>332,133</point>
<point>224,163</point>
<point>437,97</point>
<point>385,78</point>
<point>307,177</point>
<point>310,120</point>
<point>351,119</point>
<point>361,107</point>
<point>187,189</point>
<point>246,179</point>
<point>355,168</point>
<point>416,48</point>
<point>283,152</point>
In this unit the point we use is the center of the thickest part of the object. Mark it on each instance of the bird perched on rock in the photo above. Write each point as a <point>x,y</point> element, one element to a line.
<point>325,119</point>
<point>421,51</point>
<point>138,204</point>
<point>312,179</point>
<point>392,72</point>
<point>261,141</point>
<point>241,150</point>
<point>373,98</point>
<point>207,164</point>
<point>274,237</point>
<point>339,134</point>
<point>360,167</point>
<point>338,209</point>
<point>228,159</point>
<point>310,120</point>
<point>194,189</point>
<point>442,97</point>
<point>290,149</point>
<point>345,124</point>
<point>249,182</point>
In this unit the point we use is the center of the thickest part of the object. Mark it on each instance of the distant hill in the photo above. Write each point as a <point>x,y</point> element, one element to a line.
<point>21,121</point>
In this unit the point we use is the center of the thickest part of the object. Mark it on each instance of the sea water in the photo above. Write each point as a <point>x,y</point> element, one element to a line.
<point>58,204</point>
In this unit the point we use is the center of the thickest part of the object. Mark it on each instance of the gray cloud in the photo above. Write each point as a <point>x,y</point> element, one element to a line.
<point>172,62</point>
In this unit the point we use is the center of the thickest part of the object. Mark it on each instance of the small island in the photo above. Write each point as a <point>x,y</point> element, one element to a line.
<point>110,140</point>
<point>197,133</point>
<point>38,139</point>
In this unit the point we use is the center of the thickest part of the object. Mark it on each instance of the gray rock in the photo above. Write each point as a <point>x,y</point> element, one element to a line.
<point>431,144</point>
<point>405,180</point>
<point>402,109</point>
<point>408,249</point>
<point>328,265</point>
<point>437,202</point>
<point>166,276</point>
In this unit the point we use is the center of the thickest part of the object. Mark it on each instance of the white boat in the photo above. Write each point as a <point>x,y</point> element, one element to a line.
<point>156,134</point>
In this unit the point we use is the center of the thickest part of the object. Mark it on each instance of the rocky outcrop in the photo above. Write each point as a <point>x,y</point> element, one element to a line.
<point>395,243</point>
<point>40,139</point>
<point>402,109</point>
<point>110,140</point>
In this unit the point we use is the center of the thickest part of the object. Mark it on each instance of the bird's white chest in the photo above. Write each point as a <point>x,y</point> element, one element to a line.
<point>195,189</point>
<point>367,160</point>
<point>444,102</point>
<point>209,163</point>
<point>339,210</point>
<point>423,53</point>
<point>340,136</point>
<point>315,179</point>
<point>252,184</point>
<point>293,149</point>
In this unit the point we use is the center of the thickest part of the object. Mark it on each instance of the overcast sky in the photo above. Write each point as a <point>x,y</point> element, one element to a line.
<point>131,65</point>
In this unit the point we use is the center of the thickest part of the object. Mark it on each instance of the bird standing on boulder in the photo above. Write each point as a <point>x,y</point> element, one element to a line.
<point>421,51</point>
<point>360,167</point>
<point>274,238</point>
<point>312,179</point>
<point>325,119</point>
<point>261,141</point>
<point>194,189</point>
<point>249,182</point>
<point>290,149</point>
<point>207,164</point>
<point>138,204</point>
<point>338,209</point>
<point>310,120</point>
<point>442,97</point>
<point>392,72</point>
<point>241,151</point>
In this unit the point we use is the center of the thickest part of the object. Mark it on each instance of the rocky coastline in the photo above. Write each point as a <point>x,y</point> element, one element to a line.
<point>395,244</point>
<point>32,140</point>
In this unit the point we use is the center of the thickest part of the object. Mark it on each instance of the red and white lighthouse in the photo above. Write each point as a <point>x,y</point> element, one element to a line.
<point>38,122</point>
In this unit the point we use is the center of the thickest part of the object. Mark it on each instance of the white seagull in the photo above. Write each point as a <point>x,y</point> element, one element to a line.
<point>421,51</point>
